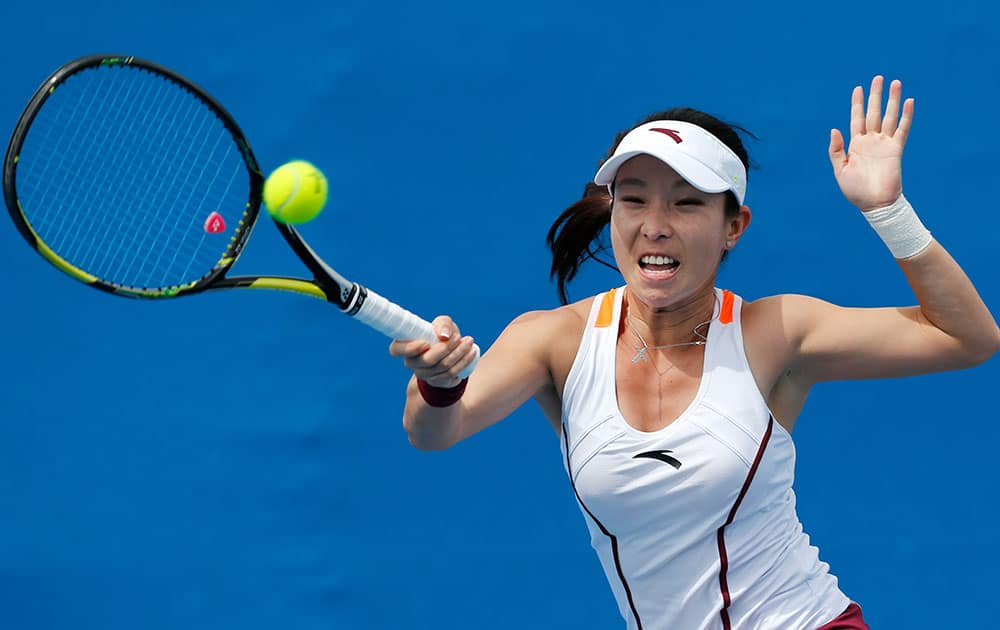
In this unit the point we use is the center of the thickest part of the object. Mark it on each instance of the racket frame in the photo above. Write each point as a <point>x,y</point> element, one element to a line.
<point>351,298</point>
<point>326,284</point>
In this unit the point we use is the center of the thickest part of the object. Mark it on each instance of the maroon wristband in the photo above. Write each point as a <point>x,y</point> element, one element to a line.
<point>441,396</point>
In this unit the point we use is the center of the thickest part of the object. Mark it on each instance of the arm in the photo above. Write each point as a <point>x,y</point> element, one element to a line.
<point>514,369</point>
<point>950,328</point>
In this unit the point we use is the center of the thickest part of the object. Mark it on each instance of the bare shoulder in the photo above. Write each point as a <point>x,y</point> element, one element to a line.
<point>561,316</point>
<point>552,337</point>
<point>772,334</point>
<point>549,330</point>
<point>778,331</point>
<point>780,317</point>
<point>767,339</point>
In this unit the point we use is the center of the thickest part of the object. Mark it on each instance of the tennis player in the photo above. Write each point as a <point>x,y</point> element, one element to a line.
<point>674,399</point>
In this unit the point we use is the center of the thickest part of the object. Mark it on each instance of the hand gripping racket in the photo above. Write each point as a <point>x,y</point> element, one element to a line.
<point>130,178</point>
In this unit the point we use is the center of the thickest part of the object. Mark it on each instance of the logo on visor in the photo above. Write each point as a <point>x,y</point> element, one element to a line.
<point>676,137</point>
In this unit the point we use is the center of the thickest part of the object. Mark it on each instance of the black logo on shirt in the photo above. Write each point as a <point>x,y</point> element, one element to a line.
<point>662,456</point>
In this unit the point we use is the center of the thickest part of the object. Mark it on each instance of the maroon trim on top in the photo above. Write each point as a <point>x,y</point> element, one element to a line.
<point>721,534</point>
<point>604,530</point>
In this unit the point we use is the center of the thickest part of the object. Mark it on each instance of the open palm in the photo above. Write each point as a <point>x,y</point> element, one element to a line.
<point>869,172</point>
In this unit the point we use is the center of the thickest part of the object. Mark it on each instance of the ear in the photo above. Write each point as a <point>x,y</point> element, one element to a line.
<point>736,226</point>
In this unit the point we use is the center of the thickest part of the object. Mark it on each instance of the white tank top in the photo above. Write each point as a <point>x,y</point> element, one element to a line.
<point>694,524</point>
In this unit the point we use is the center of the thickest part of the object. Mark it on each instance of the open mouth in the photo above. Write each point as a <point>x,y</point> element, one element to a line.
<point>661,264</point>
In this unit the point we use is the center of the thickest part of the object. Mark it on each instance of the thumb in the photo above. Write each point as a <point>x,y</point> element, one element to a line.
<point>837,155</point>
<point>444,327</point>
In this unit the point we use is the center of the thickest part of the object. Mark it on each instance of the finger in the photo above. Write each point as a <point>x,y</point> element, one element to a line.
<point>444,327</point>
<point>903,131</point>
<point>433,356</point>
<point>837,155</point>
<point>467,359</point>
<point>410,348</point>
<point>857,111</point>
<point>873,122</point>
<point>455,361</point>
<point>892,108</point>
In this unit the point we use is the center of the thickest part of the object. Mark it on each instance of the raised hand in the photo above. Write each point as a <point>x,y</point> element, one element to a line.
<point>869,172</point>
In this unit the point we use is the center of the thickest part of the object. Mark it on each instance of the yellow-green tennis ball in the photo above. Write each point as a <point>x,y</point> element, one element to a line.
<point>295,192</point>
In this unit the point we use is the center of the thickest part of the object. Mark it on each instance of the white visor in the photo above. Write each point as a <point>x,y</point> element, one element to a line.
<point>697,156</point>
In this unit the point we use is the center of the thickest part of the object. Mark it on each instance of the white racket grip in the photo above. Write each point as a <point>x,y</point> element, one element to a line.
<point>396,322</point>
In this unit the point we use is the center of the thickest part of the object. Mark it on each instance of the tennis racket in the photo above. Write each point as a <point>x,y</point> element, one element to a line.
<point>130,178</point>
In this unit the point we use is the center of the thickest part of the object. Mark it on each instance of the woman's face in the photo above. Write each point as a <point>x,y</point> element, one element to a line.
<point>668,236</point>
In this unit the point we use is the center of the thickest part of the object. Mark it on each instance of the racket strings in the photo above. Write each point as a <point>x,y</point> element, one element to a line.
<point>140,213</point>
<point>233,177</point>
<point>79,151</point>
<point>160,232</point>
<point>124,104</point>
<point>63,153</point>
<point>167,122</point>
<point>119,171</point>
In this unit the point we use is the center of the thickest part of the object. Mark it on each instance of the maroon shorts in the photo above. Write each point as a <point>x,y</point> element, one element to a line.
<point>850,619</point>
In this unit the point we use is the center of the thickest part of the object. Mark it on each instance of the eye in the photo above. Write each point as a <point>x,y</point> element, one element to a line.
<point>632,199</point>
<point>690,201</point>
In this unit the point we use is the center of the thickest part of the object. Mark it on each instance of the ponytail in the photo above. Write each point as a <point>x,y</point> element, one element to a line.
<point>575,236</point>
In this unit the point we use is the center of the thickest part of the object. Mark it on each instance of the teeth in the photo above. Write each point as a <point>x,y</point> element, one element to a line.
<point>658,260</point>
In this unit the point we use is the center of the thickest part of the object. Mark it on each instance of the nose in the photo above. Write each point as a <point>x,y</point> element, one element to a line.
<point>657,223</point>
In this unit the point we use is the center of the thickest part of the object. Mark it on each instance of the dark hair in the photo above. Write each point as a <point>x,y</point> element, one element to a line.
<point>577,234</point>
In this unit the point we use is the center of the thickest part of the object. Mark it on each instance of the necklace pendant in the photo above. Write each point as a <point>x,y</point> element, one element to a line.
<point>640,355</point>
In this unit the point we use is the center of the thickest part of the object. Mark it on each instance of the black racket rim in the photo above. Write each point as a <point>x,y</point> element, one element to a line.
<point>20,219</point>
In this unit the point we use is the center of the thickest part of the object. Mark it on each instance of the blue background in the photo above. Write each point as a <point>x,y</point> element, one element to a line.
<point>237,460</point>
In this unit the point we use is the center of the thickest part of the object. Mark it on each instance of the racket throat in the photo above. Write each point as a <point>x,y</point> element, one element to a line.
<point>355,300</point>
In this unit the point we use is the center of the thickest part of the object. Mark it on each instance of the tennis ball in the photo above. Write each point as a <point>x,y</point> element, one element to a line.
<point>295,192</point>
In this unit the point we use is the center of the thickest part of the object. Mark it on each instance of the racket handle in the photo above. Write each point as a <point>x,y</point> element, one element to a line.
<point>396,322</point>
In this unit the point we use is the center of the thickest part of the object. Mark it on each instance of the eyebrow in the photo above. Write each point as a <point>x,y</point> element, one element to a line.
<point>641,183</point>
<point>631,181</point>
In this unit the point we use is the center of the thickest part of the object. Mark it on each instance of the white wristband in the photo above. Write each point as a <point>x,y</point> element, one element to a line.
<point>900,228</point>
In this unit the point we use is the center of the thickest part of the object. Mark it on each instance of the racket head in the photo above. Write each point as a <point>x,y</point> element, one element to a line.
<point>129,177</point>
